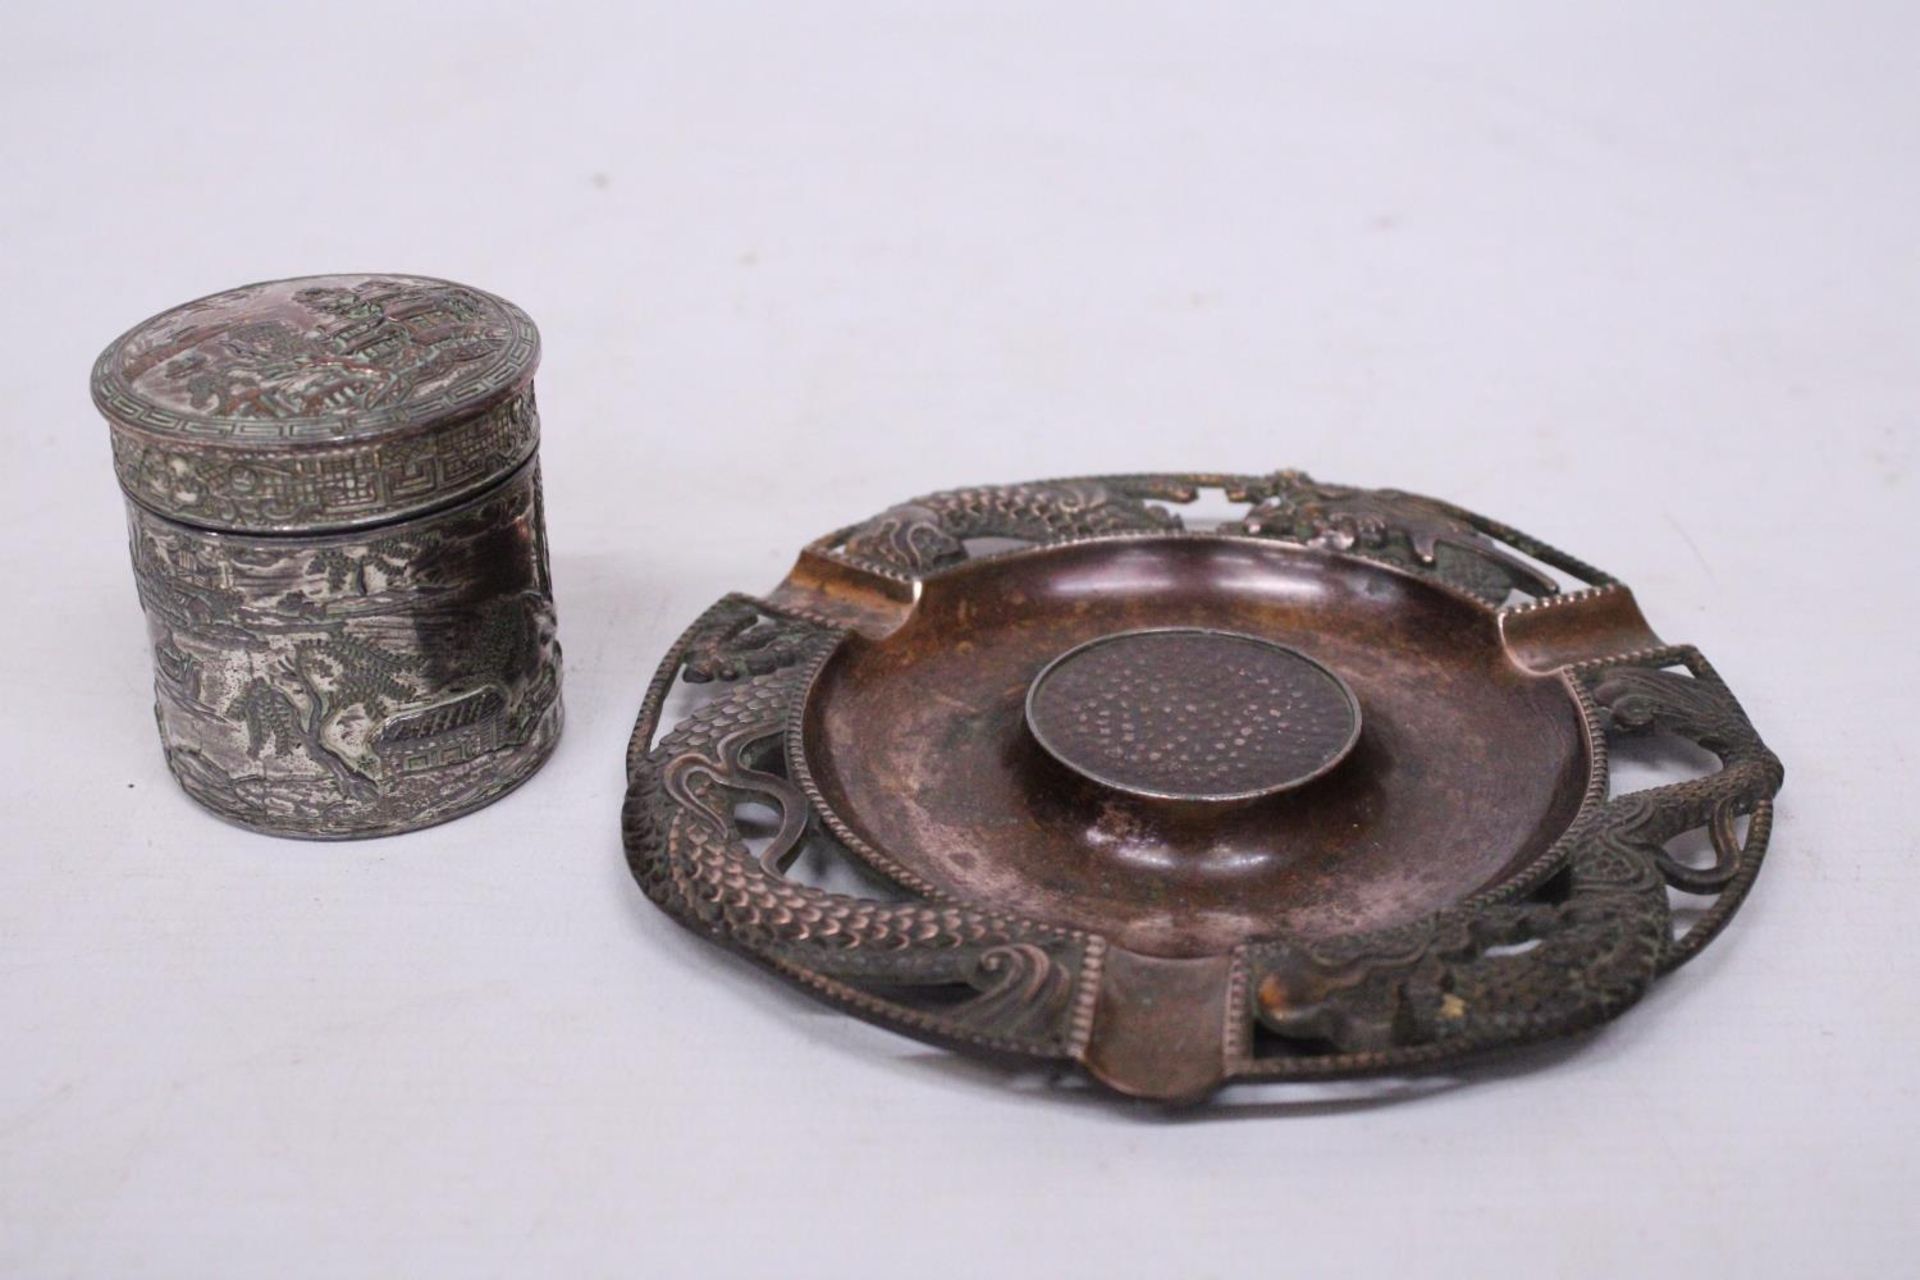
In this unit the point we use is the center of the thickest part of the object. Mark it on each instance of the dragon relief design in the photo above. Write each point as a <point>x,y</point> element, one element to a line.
<point>896,962</point>
<point>1514,964</point>
<point>737,641</point>
<point>1401,528</point>
<point>1411,532</point>
<point>355,685</point>
<point>1571,956</point>
<point>931,532</point>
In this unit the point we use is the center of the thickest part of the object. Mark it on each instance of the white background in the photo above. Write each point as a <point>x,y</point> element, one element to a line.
<point>1642,280</point>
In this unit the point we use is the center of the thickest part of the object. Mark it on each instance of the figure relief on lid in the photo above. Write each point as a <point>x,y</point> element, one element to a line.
<point>319,348</point>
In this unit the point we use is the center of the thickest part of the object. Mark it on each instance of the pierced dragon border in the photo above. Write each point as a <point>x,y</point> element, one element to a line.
<point>1556,948</point>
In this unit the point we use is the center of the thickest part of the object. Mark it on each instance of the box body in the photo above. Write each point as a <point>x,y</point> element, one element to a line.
<point>334,510</point>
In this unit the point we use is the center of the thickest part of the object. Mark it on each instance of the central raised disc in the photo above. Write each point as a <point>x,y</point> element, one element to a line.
<point>1192,714</point>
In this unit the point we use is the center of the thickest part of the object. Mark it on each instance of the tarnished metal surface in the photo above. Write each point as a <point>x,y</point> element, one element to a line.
<point>335,520</point>
<point>320,403</point>
<point>1192,715</point>
<point>358,684</point>
<point>1462,881</point>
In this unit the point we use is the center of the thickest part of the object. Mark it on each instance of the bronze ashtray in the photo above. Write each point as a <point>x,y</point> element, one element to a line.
<point>1318,792</point>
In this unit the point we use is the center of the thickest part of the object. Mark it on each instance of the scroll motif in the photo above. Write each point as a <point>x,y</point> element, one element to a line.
<point>320,403</point>
<point>329,485</point>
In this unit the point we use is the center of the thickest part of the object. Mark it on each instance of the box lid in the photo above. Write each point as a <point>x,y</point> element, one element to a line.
<point>320,403</point>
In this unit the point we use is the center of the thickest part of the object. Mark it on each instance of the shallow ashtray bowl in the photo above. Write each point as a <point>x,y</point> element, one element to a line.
<point>1320,791</point>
